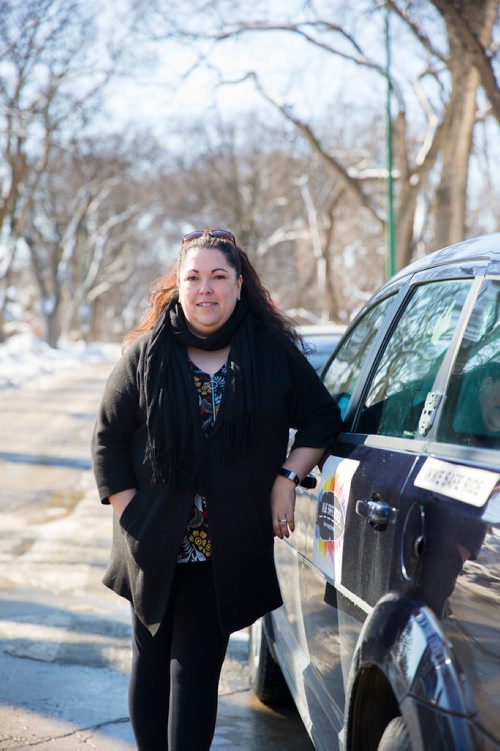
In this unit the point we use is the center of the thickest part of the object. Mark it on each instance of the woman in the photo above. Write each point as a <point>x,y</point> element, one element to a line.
<point>190,450</point>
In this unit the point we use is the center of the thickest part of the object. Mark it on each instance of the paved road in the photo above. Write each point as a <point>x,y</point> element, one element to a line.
<point>64,639</point>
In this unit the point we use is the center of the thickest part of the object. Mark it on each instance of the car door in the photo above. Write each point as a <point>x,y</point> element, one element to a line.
<point>323,674</point>
<point>399,391</point>
<point>360,517</point>
<point>461,566</point>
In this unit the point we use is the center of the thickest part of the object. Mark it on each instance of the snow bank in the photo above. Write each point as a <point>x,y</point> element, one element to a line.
<point>24,357</point>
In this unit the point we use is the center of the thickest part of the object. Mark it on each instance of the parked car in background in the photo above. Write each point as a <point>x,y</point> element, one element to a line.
<point>320,341</point>
<point>389,636</point>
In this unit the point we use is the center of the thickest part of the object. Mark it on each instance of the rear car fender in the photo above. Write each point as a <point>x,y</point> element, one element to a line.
<point>402,640</point>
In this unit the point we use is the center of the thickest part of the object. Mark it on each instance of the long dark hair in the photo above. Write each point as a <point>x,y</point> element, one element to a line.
<point>259,301</point>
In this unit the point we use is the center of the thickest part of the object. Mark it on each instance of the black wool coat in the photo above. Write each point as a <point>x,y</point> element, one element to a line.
<point>147,538</point>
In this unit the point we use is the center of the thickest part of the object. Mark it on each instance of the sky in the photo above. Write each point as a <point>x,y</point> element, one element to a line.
<point>317,85</point>
<point>154,99</point>
<point>157,92</point>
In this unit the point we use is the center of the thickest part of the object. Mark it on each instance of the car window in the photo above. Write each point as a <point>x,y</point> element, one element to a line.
<point>411,359</point>
<point>319,348</point>
<point>471,412</point>
<point>341,376</point>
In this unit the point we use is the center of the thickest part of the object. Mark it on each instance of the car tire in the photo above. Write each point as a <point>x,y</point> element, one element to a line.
<point>395,737</point>
<point>266,678</point>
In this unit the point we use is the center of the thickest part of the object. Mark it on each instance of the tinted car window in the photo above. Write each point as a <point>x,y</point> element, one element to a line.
<point>471,413</point>
<point>342,374</point>
<point>411,359</point>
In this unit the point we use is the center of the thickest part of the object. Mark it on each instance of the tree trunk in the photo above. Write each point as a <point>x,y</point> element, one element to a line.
<point>5,274</point>
<point>412,179</point>
<point>451,194</point>
<point>472,22</point>
<point>49,286</point>
<point>52,306</point>
<point>328,245</point>
<point>52,328</point>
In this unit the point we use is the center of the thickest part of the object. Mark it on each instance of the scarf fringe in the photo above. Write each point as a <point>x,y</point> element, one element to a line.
<point>173,470</point>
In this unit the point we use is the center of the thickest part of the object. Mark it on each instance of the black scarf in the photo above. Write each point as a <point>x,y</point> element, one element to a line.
<point>176,447</point>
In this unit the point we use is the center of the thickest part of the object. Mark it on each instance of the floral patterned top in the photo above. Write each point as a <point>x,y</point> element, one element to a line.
<point>196,545</point>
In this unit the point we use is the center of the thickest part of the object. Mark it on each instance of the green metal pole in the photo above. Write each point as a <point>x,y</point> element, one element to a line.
<point>391,224</point>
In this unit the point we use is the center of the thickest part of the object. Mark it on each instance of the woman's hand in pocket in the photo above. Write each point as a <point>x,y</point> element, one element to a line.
<point>119,501</point>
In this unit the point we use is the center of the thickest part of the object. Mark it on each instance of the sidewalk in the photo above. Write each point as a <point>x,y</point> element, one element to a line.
<point>64,638</point>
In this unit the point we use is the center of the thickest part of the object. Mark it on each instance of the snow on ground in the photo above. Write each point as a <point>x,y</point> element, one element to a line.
<point>24,357</point>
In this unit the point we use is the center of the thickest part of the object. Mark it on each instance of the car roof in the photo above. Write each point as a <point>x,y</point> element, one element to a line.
<point>475,250</point>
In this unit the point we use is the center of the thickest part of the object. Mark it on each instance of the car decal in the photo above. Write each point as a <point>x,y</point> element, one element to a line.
<point>467,484</point>
<point>331,509</point>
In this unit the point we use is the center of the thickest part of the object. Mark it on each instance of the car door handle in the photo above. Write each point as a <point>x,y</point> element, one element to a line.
<point>377,514</point>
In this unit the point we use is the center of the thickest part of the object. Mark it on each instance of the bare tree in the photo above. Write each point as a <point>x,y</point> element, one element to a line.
<point>50,81</point>
<point>470,24</point>
<point>262,181</point>
<point>454,43</point>
<point>477,17</point>
<point>466,65</point>
<point>88,236</point>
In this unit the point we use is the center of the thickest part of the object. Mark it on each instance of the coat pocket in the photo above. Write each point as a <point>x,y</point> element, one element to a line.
<point>133,526</point>
<point>130,513</point>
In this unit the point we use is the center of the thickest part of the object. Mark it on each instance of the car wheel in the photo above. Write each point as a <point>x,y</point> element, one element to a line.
<point>396,737</point>
<point>266,678</point>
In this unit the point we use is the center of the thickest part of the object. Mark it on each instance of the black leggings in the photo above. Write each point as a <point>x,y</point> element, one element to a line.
<point>175,674</point>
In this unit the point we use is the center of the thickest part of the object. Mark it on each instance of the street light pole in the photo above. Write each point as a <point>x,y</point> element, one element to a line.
<point>391,228</point>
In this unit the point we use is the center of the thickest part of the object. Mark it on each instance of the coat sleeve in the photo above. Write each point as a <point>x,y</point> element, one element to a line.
<point>312,410</point>
<point>116,423</point>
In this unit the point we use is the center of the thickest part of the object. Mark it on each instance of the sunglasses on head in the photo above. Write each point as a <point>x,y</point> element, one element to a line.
<point>220,234</point>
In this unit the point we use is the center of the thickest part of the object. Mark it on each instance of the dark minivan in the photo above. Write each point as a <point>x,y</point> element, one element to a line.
<point>389,636</point>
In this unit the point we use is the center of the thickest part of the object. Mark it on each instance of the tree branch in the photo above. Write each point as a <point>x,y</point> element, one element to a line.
<point>332,164</point>
<point>419,34</point>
